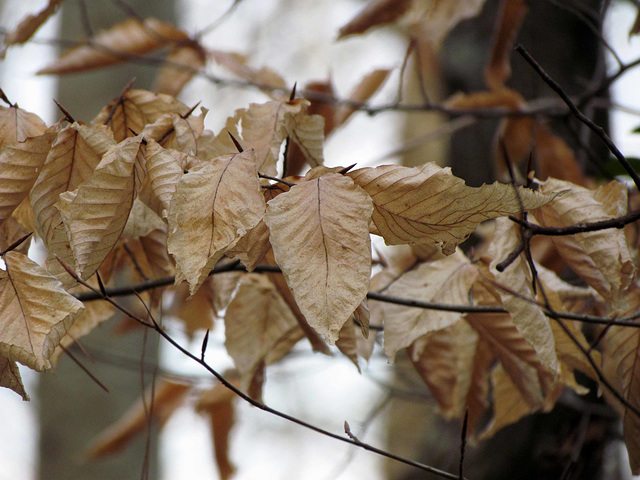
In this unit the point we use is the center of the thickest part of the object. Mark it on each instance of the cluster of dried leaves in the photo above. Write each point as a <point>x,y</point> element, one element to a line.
<point>145,192</point>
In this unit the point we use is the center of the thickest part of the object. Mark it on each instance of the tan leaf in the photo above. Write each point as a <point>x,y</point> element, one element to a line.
<point>517,356</point>
<point>117,44</point>
<point>211,209</point>
<point>223,286</point>
<point>73,157</point>
<point>508,404</point>
<point>20,164</point>
<point>429,205</point>
<point>498,69</point>
<point>308,134</point>
<point>167,397</point>
<point>174,132</point>
<point>320,237</point>
<point>442,16</point>
<point>181,65</point>
<point>257,323</point>
<point>444,359</point>
<point>263,127</point>
<point>347,342</point>
<point>36,312</point>
<point>237,64</point>
<point>130,112</point>
<point>528,317</point>
<point>375,13</point>
<point>448,281</point>
<point>141,221</point>
<point>195,312</point>
<point>95,214</point>
<point>16,125</point>
<point>601,258</point>
<point>363,91</point>
<point>10,377</point>
<point>217,403</point>
<point>31,23</point>
<point>10,232</point>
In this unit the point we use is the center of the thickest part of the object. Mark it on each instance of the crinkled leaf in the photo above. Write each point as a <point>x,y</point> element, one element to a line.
<point>528,317</point>
<point>429,205</point>
<point>308,134</point>
<point>163,172</point>
<point>116,45</point>
<point>20,164</point>
<point>173,131</point>
<point>211,209</point>
<point>16,125</point>
<point>36,312</point>
<point>95,214</point>
<point>447,281</point>
<point>128,114</point>
<point>10,377</point>
<point>320,237</point>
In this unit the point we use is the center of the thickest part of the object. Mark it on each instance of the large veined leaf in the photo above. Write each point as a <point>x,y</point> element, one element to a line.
<point>601,258</point>
<point>447,280</point>
<point>20,164</point>
<point>36,312</point>
<point>173,131</point>
<point>320,236</point>
<point>16,125</point>
<point>528,317</point>
<point>117,44</point>
<point>95,214</point>
<point>429,205</point>
<point>211,209</point>
<point>128,114</point>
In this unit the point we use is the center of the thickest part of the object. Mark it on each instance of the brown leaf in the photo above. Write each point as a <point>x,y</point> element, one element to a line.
<point>498,69</point>
<point>16,125</point>
<point>31,23</point>
<point>320,237</point>
<point>434,20</point>
<point>20,164</point>
<point>444,359</point>
<point>167,397</point>
<point>363,91</point>
<point>128,114</point>
<point>429,205</point>
<point>375,13</point>
<point>347,342</point>
<point>237,64</point>
<point>195,312</point>
<point>601,258</point>
<point>10,377</point>
<point>95,214</point>
<point>181,65</point>
<point>527,317</point>
<point>211,209</point>
<point>448,281</point>
<point>36,312</point>
<point>117,44</point>
<point>259,327</point>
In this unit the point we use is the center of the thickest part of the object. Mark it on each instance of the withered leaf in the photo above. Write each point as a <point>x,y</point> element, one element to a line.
<point>117,44</point>
<point>375,13</point>
<point>37,312</point>
<point>429,205</point>
<point>16,125</point>
<point>320,237</point>
<point>181,65</point>
<point>211,209</point>
<point>10,377</point>
<point>31,23</point>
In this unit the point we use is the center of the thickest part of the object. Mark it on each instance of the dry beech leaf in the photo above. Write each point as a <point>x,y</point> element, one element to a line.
<point>20,165</point>
<point>518,357</point>
<point>237,64</point>
<point>601,258</point>
<point>447,280</point>
<point>116,45</point>
<point>258,324</point>
<point>37,312</point>
<point>31,23</point>
<point>10,232</point>
<point>434,20</point>
<point>263,127</point>
<point>429,205</point>
<point>16,125</point>
<point>320,237</point>
<point>211,209</point>
<point>528,318</point>
<point>347,342</point>
<point>217,403</point>
<point>498,69</point>
<point>175,132</point>
<point>141,221</point>
<point>167,397</point>
<point>444,359</point>
<point>509,405</point>
<point>95,214</point>
<point>375,13</point>
<point>195,312</point>
<point>181,65</point>
<point>163,172</point>
<point>308,134</point>
<point>128,114</point>
<point>10,377</point>
<point>363,91</point>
